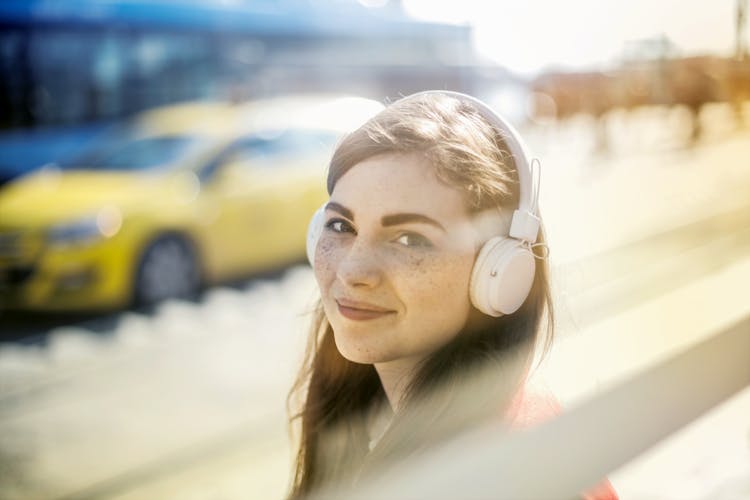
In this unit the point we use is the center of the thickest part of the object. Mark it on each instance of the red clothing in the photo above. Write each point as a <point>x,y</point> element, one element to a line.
<point>533,405</point>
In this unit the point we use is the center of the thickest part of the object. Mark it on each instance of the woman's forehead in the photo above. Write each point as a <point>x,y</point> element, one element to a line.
<point>397,183</point>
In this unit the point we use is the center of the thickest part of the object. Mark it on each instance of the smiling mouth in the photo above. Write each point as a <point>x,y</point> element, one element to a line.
<point>359,312</point>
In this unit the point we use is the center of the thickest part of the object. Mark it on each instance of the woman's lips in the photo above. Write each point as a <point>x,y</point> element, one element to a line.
<point>361,312</point>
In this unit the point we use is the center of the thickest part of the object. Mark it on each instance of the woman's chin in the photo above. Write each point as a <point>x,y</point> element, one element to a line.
<point>356,351</point>
<point>358,355</point>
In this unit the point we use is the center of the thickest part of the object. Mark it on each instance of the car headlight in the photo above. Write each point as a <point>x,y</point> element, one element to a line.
<point>103,224</point>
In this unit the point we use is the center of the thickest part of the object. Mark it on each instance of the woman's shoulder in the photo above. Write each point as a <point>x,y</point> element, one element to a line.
<point>533,404</point>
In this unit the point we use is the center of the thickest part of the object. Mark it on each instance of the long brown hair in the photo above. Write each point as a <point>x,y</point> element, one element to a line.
<point>337,395</point>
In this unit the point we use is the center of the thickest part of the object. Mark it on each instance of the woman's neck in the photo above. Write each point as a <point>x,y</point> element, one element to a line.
<point>395,376</point>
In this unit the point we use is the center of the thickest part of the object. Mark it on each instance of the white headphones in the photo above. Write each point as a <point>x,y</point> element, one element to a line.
<point>503,271</point>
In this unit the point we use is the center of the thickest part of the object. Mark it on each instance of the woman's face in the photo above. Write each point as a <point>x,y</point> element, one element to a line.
<point>394,260</point>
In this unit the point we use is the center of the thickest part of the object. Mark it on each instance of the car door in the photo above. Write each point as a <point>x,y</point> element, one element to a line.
<point>263,190</point>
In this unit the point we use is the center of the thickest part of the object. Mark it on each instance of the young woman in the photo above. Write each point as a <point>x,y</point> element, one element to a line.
<point>430,259</point>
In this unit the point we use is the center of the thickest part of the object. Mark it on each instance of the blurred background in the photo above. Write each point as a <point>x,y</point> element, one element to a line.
<point>160,160</point>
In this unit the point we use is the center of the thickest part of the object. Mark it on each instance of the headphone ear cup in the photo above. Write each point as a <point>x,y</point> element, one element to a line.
<point>502,276</point>
<point>314,229</point>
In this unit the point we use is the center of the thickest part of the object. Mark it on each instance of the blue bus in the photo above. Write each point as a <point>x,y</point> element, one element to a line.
<point>68,68</point>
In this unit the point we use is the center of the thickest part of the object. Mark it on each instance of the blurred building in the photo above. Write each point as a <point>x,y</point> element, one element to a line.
<point>653,75</point>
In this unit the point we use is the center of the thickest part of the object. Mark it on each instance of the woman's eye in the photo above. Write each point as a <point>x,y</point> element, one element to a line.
<point>339,226</point>
<point>414,240</point>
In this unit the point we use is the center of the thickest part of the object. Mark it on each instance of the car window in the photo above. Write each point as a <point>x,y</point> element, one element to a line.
<point>277,149</point>
<point>123,151</point>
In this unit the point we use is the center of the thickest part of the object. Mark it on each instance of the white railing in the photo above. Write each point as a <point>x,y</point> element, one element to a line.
<point>569,454</point>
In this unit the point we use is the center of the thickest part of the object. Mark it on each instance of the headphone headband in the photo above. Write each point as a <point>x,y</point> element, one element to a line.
<point>526,222</point>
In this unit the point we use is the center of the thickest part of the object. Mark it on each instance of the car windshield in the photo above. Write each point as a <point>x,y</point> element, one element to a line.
<point>128,153</point>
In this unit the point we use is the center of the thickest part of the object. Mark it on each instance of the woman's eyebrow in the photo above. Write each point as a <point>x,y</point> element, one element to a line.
<point>336,207</point>
<point>405,218</point>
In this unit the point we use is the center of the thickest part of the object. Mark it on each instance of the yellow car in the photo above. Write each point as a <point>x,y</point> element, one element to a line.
<point>180,197</point>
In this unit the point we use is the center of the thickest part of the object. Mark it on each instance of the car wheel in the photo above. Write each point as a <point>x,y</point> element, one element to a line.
<point>168,269</point>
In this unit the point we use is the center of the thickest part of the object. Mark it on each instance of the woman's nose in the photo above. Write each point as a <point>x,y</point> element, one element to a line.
<point>359,266</point>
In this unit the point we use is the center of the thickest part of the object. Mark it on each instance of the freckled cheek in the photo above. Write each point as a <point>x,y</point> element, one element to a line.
<point>433,280</point>
<point>327,255</point>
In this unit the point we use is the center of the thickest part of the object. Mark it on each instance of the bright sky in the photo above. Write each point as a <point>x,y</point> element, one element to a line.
<point>528,35</point>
